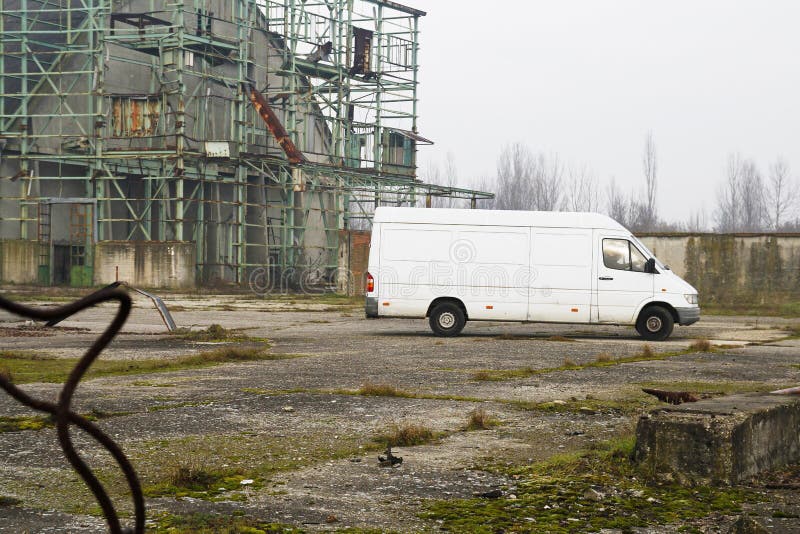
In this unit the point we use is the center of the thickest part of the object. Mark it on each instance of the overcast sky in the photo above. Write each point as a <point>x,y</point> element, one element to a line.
<point>587,79</point>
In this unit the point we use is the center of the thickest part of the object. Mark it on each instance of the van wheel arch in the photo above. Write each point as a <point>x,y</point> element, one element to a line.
<point>664,305</point>
<point>441,300</point>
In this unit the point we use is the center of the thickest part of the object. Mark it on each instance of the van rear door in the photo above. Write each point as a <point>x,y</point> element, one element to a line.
<point>622,284</point>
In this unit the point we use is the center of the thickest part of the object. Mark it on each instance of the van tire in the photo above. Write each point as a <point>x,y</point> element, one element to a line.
<point>447,319</point>
<point>655,323</point>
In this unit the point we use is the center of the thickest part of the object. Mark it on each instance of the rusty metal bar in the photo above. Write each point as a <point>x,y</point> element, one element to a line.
<point>274,124</point>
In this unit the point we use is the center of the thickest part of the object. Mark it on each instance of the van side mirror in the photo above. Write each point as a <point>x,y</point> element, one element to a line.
<point>650,266</point>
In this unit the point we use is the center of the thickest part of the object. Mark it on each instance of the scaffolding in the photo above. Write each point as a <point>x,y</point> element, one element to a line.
<point>256,129</point>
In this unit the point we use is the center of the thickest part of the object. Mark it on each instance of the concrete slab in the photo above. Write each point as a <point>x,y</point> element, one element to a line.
<point>726,440</point>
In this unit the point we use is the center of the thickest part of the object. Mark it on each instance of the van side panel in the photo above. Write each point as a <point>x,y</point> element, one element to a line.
<point>561,282</point>
<point>483,267</point>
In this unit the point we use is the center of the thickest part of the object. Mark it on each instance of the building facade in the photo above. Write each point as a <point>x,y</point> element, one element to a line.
<point>182,143</point>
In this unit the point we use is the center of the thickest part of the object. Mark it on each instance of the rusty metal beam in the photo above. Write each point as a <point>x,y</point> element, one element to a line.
<point>274,125</point>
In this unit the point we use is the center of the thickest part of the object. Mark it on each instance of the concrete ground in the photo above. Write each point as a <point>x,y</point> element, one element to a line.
<point>297,429</point>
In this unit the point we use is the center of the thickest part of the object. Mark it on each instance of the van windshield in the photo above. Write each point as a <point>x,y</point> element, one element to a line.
<point>648,253</point>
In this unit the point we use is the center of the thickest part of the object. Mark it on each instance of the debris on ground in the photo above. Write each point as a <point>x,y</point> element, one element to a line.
<point>672,397</point>
<point>390,460</point>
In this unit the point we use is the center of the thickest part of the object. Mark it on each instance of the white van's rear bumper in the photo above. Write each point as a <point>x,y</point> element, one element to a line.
<point>371,307</point>
<point>687,316</point>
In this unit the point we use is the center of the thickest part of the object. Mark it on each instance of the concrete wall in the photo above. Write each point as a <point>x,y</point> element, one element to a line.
<point>19,261</point>
<point>145,264</point>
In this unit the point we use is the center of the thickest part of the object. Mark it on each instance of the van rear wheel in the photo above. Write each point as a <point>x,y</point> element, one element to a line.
<point>447,319</point>
<point>655,323</point>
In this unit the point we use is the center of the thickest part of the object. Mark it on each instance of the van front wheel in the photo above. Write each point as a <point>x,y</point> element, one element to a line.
<point>655,323</point>
<point>447,319</point>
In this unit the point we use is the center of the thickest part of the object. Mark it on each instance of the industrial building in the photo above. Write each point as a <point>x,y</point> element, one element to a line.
<point>199,142</point>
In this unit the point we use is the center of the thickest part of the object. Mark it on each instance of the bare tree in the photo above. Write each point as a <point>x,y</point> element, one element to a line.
<point>582,191</point>
<point>781,195</point>
<point>697,222</point>
<point>548,177</point>
<point>528,181</point>
<point>618,206</point>
<point>728,200</point>
<point>515,176</point>
<point>648,216</point>
<point>741,205</point>
<point>487,184</point>
<point>754,209</point>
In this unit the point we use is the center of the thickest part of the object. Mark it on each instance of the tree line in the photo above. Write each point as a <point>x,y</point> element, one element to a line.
<point>747,199</point>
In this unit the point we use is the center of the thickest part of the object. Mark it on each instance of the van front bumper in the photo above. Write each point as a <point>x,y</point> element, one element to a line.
<point>687,316</point>
<point>371,307</point>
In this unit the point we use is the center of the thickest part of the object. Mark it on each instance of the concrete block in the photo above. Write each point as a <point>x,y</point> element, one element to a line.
<point>19,261</point>
<point>145,264</point>
<point>721,441</point>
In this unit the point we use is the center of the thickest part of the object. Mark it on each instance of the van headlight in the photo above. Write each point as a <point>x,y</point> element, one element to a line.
<point>691,298</point>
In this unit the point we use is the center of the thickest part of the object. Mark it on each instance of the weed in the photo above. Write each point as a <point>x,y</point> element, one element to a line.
<point>214,333</point>
<point>369,389</point>
<point>568,363</point>
<point>482,375</point>
<point>647,352</point>
<point>559,338</point>
<point>406,435</point>
<point>194,478</point>
<point>603,357</point>
<point>506,337</point>
<point>793,331</point>
<point>478,419</point>
<point>701,345</point>
<point>205,523</point>
<point>6,374</point>
<point>33,367</point>
<point>18,424</point>
<point>9,501</point>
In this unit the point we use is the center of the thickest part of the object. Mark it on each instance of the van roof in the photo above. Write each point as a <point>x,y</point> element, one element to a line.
<point>544,219</point>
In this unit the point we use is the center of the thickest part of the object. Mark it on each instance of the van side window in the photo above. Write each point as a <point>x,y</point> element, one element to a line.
<point>621,254</point>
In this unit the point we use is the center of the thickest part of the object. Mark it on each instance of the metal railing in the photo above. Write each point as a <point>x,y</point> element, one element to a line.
<point>61,411</point>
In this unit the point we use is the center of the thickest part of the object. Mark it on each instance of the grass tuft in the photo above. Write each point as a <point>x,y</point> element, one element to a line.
<point>482,376</point>
<point>6,374</point>
<point>214,333</point>
<point>569,363</point>
<point>701,345</point>
<point>406,435</point>
<point>368,389</point>
<point>603,357</point>
<point>646,352</point>
<point>478,419</point>
<point>194,478</point>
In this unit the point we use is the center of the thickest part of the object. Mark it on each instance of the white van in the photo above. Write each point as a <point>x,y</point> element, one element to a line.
<point>454,266</point>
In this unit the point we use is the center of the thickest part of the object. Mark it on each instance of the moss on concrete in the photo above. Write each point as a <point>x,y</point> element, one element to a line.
<point>26,367</point>
<point>583,492</point>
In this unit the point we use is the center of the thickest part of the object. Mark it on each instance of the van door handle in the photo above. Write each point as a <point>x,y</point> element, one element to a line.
<point>606,278</point>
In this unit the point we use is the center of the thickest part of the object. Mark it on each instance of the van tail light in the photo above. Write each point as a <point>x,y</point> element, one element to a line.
<point>370,283</point>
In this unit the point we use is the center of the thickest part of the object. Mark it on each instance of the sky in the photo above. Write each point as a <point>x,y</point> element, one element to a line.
<point>587,79</point>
